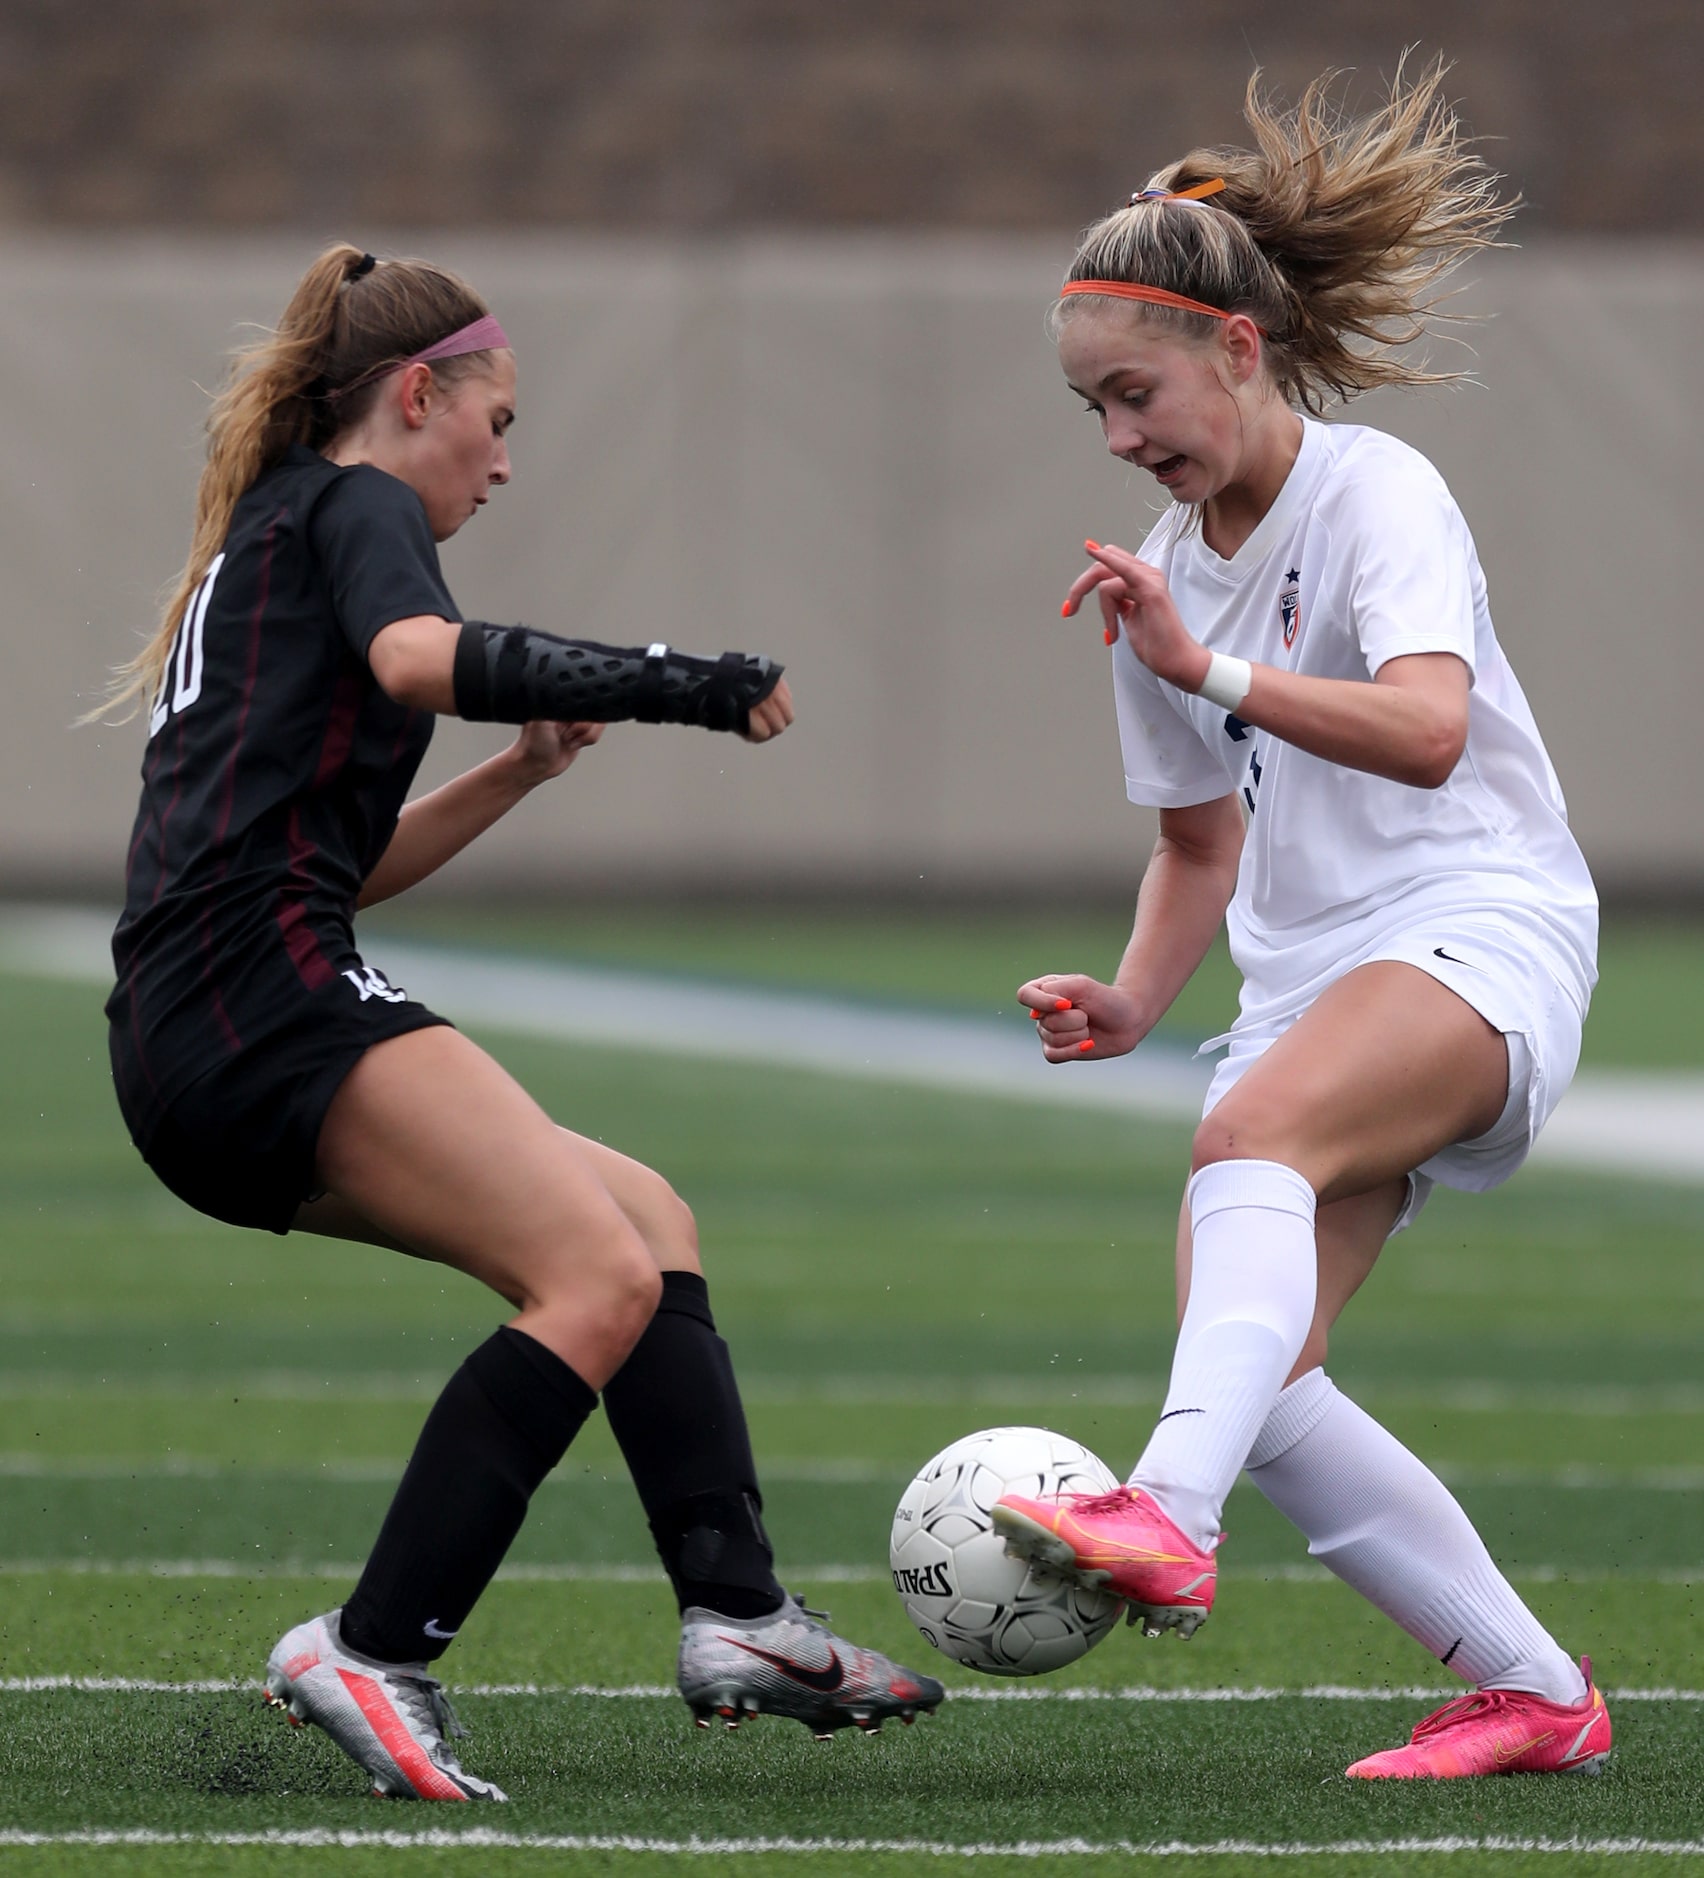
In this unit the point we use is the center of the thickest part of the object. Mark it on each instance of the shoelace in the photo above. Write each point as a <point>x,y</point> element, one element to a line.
<point>819,1622</point>
<point>1482,1702</point>
<point>1119,1500</point>
<point>425,1696</point>
<point>1463,1708</point>
<point>793,1605</point>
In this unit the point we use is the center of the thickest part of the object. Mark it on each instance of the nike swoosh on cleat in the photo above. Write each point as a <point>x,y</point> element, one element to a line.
<point>824,1681</point>
<point>431,1629</point>
<point>1502,1756</point>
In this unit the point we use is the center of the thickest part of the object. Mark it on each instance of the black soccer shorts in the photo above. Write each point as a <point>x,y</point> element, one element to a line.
<point>240,1142</point>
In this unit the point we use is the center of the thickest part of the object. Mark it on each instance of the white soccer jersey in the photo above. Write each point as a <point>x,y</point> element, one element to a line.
<point>1364,557</point>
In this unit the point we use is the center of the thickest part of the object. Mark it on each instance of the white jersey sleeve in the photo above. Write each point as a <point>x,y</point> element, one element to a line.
<point>1413,573</point>
<point>1166,765</point>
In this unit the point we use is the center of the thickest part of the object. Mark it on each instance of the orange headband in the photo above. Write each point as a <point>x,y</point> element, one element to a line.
<point>1158,296</point>
<point>1155,296</point>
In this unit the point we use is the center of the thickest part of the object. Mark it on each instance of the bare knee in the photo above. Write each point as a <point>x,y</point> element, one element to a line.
<point>592,1311</point>
<point>1242,1130</point>
<point>630,1294</point>
<point>676,1245</point>
<point>665,1222</point>
<point>612,1281</point>
<point>1221,1137</point>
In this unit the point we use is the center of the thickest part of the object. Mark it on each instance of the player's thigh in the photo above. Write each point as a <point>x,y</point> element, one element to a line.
<point>439,1149</point>
<point>1349,1235</point>
<point>332,1217</point>
<point>1387,1068</point>
<point>656,1212</point>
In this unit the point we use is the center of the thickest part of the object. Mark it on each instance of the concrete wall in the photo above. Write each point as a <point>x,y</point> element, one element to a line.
<point>857,454</point>
<point>680,116</point>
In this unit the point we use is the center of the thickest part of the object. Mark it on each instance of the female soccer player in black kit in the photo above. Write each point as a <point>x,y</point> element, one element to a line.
<point>273,1078</point>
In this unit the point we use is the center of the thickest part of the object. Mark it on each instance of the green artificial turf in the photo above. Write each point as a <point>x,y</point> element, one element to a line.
<point>188,1412</point>
<point>1647,1011</point>
<point>1007,1772</point>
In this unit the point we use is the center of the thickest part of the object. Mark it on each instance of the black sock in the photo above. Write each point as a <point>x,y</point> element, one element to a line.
<point>505,1419</point>
<point>675,1409</point>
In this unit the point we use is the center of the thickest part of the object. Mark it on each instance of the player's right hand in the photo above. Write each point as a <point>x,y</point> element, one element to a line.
<point>772,716</point>
<point>1079,1019</point>
<point>1136,602</point>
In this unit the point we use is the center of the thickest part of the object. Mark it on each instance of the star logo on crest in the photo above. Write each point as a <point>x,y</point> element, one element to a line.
<point>1290,605</point>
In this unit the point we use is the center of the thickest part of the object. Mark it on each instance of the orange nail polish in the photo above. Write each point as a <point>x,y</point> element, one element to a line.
<point>1065,610</point>
<point>1036,1015</point>
<point>1092,546</point>
<point>1086,1044</point>
<point>1062,1004</point>
<point>1109,637</point>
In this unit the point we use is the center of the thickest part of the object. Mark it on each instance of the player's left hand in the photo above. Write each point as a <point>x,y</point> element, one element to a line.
<point>772,716</point>
<point>543,750</point>
<point>1135,601</point>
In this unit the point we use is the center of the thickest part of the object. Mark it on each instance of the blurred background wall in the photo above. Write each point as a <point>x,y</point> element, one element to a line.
<point>776,274</point>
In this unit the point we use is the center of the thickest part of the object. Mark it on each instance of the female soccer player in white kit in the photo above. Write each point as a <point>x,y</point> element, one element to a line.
<point>1310,691</point>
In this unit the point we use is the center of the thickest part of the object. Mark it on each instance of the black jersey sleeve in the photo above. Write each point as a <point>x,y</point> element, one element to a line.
<point>379,562</point>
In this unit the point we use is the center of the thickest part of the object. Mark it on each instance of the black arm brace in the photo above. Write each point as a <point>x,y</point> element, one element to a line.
<point>512,675</point>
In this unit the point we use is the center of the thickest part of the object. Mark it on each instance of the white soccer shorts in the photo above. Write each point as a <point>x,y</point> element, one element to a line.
<point>1499,964</point>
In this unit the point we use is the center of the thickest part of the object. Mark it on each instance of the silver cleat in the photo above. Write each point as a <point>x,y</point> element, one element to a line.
<point>391,1719</point>
<point>792,1664</point>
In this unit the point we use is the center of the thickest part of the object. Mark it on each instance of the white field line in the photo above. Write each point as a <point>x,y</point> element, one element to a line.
<point>1575,1477</point>
<point>351,1570</point>
<point>959,1692</point>
<point>364,1473</point>
<point>1474,1396</point>
<point>1611,1121</point>
<point>1296,1574</point>
<point>486,1838</point>
<point>806,1574</point>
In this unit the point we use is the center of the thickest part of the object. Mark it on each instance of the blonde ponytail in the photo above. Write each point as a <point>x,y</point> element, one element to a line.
<point>348,322</point>
<point>1332,234</point>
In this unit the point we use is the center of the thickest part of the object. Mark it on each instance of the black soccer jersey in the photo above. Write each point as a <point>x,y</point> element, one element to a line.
<point>275,770</point>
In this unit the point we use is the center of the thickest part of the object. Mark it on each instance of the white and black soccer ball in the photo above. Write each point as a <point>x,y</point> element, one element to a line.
<point>972,1602</point>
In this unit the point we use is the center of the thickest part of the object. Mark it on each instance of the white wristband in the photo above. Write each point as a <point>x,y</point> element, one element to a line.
<point>1227,681</point>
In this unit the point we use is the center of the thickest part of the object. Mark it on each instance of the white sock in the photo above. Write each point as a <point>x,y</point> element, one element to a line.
<point>1387,1525</point>
<point>1251,1300</point>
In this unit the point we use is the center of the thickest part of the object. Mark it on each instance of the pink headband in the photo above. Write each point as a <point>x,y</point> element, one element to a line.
<point>484,335</point>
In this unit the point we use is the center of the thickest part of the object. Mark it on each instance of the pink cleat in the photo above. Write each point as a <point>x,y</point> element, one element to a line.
<point>1120,1542</point>
<point>1500,1731</point>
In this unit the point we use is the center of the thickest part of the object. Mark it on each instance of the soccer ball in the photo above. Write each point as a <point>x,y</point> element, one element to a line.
<point>990,1612</point>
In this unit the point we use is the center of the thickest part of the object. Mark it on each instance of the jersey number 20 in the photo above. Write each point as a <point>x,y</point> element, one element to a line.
<point>180,682</point>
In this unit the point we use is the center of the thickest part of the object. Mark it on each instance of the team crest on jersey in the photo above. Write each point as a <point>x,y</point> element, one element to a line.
<point>1290,605</point>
